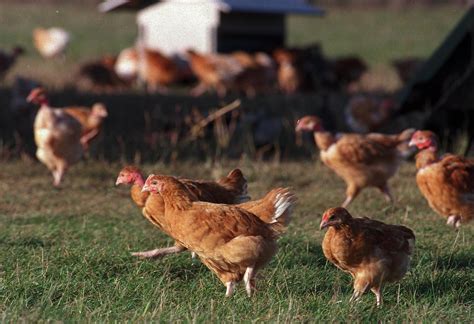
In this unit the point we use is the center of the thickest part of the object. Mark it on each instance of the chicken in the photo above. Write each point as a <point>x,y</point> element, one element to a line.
<point>360,160</point>
<point>126,65</point>
<point>214,71</point>
<point>446,182</point>
<point>407,67</point>
<point>347,69</point>
<point>99,75</point>
<point>258,75</point>
<point>231,189</point>
<point>156,70</point>
<point>366,113</point>
<point>57,136</point>
<point>290,72</point>
<point>7,60</point>
<point>230,241</point>
<point>91,121</point>
<point>50,42</point>
<point>371,251</point>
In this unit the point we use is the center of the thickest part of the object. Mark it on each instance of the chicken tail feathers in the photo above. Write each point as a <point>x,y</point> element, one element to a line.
<point>283,203</point>
<point>236,181</point>
<point>403,138</point>
<point>406,135</point>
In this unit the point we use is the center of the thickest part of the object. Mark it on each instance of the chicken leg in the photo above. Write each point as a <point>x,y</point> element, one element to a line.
<point>159,253</point>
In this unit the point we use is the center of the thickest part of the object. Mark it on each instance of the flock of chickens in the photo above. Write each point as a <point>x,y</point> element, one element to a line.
<point>235,237</point>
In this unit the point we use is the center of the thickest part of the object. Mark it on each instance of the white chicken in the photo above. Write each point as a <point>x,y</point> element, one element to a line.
<point>51,42</point>
<point>57,136</point>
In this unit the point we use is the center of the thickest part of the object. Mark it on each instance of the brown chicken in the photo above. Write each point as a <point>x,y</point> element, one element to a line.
<point>290,71</point>
<point>231,189</point>
<point>447,182</point>
<point>156,70</point>
<point>7,60</point>
<point>99,75</point>
<point>371,251</point>
<point>215,71</point>
<point>90,119</point>
<point>360,160</point>
<point>57,136</point>
<point>258,75</point>
<point>230,241</point>
<point>366,113</point>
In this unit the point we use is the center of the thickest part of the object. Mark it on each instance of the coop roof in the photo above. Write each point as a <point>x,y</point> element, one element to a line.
<point>263,6</point>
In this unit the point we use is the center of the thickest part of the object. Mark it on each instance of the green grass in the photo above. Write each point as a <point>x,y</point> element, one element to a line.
<point>64,254</point>
<point>377,35</point>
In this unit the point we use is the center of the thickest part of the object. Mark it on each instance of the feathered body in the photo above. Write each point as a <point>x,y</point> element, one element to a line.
<point>7,60</point>
<point>50,42</point>
<point>216,71</point>
<point>90,119</point>
<point>447,182</point>
<point>57,136</point>
<point>230,241</point>
<point>371,251</point>
<point>231,189</point>
<point>360,160</point>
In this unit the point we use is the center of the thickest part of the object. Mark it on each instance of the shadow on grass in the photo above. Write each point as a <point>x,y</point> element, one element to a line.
<point>458,261</point>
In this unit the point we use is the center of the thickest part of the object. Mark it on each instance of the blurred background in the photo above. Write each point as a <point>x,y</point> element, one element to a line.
<point>164,70</point>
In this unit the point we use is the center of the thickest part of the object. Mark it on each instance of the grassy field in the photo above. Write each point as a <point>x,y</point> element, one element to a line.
<point>64,254</point>
<point>377,35</point>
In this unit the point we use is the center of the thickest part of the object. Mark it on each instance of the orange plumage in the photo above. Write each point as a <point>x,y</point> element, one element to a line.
<point>231,189</point>
<point>371,251</point>
<point>447,182</point>
<point>360,160</point>
<point>214,71</point>
<point>90,119</point>
<point>232,242</point>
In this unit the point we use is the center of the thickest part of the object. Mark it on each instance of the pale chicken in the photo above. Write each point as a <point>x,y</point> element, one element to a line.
<point>57,136</point>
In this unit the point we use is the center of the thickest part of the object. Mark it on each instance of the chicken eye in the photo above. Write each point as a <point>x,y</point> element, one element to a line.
<point>154,182</point>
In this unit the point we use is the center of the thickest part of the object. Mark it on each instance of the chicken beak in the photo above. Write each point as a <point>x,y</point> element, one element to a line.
<point>412,143</point>
<point>145,188</point>
<point>119,181</point>
<point>323,225</point>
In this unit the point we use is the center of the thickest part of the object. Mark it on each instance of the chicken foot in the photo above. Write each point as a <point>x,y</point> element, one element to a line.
<point>351,192</point>
<point>159,253</point>
<point>358,292</point>
<point>230,288</point>
<point>454,221</point>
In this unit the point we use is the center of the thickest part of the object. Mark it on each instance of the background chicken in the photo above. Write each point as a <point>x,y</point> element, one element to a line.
<point>371,251</point>
<point>231,189</point>
<point>126,65</point>
<point>100,75</point>
<point>90,119</point>
<point>229,240</point>
<point>367,112</point>
<point>158,71</point>
<point>447,182</point>
<point>7,60</point>
<point>50,42</point>
<point>214,71</point>
<point>361,160</point>
<point>57,136</point>
<point>290,71</point>
<point>258,75</point>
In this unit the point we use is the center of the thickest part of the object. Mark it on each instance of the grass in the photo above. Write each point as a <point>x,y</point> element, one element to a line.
<point>376,35</point>
<point>65,254</point>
